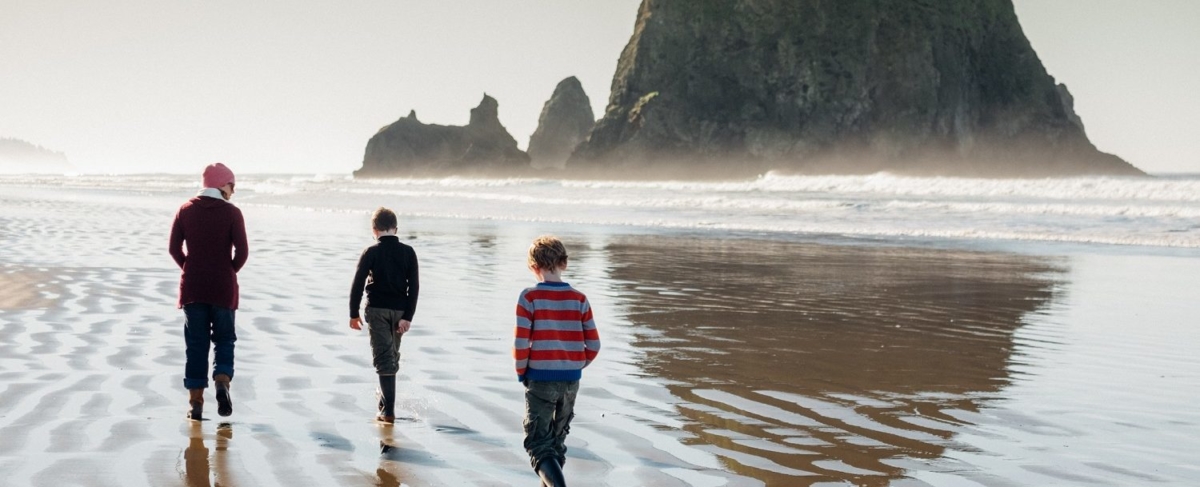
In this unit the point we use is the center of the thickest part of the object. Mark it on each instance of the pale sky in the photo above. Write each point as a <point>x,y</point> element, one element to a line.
<point>284,86</point>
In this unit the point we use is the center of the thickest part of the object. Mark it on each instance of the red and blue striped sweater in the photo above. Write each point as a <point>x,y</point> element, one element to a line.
<point>556,336</point>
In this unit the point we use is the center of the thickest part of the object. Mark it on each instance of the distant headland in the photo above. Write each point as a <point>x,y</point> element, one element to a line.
<point>19,156</point>
<point>716,88</point>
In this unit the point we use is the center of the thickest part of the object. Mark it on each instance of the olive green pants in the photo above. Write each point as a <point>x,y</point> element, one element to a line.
<point>385,341</point>
<point>549,407</point>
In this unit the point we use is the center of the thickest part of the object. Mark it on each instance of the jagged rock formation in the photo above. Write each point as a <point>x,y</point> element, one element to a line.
<point>409,147</point>
<point>565,122</point>
<point>848,86</point>
<point>19,156</point>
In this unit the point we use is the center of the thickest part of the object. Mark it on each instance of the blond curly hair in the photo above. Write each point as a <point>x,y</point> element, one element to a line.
<point>547,253</point>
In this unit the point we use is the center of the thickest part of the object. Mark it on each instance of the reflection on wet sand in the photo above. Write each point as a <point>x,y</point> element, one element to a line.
<point>23,288</point>
<point>196,459</point>
<point>396,462</point>
<point>387,450</point>
<point>802,363</point>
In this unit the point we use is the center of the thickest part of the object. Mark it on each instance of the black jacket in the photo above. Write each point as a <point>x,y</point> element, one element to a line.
<point>389,269</point>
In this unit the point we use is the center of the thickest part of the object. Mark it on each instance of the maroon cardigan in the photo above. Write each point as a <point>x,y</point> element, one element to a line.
<point>212,228</point>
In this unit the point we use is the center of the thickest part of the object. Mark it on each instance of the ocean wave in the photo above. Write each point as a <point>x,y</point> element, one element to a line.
<point>1103,188</point>
<point>1172,238</point>
<point>1127,208</point>
<point>1117,211</point>
<point>1064,209</point>
<point>1149,189</point>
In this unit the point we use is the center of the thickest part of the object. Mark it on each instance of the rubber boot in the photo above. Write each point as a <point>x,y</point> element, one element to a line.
<point>196,401</point>
<point>224,402</point>
<point>387,399</point>
<point>551,473</point>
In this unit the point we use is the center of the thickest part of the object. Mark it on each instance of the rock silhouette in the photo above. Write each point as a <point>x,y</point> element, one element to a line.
<point>565,121</point>
<point>936,87</point>
<point>409,147</point>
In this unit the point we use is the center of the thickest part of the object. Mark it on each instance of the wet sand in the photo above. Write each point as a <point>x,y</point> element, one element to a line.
<point>827,363</point>
<point>726,361</point>
<point>23,289</point>
<point>809,364</point>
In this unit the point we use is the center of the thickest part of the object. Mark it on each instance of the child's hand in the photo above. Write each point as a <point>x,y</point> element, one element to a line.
<point>403,326</point>
<point>355,323</point>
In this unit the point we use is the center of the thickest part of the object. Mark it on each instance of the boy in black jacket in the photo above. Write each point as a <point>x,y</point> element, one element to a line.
<point>389,270</point>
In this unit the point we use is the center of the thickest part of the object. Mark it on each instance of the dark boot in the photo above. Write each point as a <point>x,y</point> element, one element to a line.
<point>224,403</point>
<point>551,473</point>
<point>387,399</point>
<point>196,401</point>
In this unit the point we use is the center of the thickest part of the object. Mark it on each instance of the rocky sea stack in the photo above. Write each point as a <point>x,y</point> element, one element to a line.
<point>566,120</point>
<point>947,87</point>
<point>411,148</point>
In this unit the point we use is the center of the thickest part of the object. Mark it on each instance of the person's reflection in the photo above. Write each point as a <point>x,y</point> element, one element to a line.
<point>224,436</point>
<point>387,450</point>
<point>196,459</point>
<point>386,478</point>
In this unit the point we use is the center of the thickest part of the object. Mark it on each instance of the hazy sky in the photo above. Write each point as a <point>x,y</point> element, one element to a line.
<point>279,86</point>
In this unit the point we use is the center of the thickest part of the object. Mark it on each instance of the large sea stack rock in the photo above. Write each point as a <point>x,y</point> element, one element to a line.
<point>411,148</point>
<point>19,156</point>
<point>847,86</point>
<point>565,122</point>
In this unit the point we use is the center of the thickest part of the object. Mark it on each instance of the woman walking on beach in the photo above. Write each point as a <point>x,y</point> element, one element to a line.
<point>215,235</point>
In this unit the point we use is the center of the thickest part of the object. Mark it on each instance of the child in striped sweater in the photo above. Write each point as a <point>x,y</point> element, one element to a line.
<point>555,339</point>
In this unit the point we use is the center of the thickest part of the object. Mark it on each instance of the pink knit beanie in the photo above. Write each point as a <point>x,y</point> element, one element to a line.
<point>217,175</point>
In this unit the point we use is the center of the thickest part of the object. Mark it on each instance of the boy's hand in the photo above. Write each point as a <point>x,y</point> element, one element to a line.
<point>403,326</point>
<point>356,323</point>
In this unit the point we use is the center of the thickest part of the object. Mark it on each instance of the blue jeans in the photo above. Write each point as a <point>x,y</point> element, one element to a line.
<point>205,323</point>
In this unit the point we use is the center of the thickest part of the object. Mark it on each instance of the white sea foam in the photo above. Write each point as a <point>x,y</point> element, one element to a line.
<point>1118,211</point>
<point>1106,188</point>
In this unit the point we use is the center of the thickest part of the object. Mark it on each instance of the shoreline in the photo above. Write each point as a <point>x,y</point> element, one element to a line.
<point>964,237</point>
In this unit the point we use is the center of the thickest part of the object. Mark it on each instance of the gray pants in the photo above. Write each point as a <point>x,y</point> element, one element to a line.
<point>385,341</point>
<point>549,407</point>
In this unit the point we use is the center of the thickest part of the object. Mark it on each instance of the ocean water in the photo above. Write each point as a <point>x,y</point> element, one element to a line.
<point>1156,212</point>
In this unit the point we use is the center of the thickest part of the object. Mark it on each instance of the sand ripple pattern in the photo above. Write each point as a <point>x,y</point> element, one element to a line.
<point>92,374</point>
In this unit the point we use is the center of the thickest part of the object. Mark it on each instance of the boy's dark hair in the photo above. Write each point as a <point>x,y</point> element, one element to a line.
<point>547,253</point>
<point>383,219</point>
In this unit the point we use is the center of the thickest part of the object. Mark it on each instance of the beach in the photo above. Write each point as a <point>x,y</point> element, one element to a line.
<point>732,355</point>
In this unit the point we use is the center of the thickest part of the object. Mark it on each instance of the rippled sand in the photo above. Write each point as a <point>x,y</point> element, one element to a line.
<point>726,361</point>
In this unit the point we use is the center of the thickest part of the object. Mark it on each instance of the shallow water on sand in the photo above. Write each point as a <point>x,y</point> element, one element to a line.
<point>806,364</point>
<point>727,360</point>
